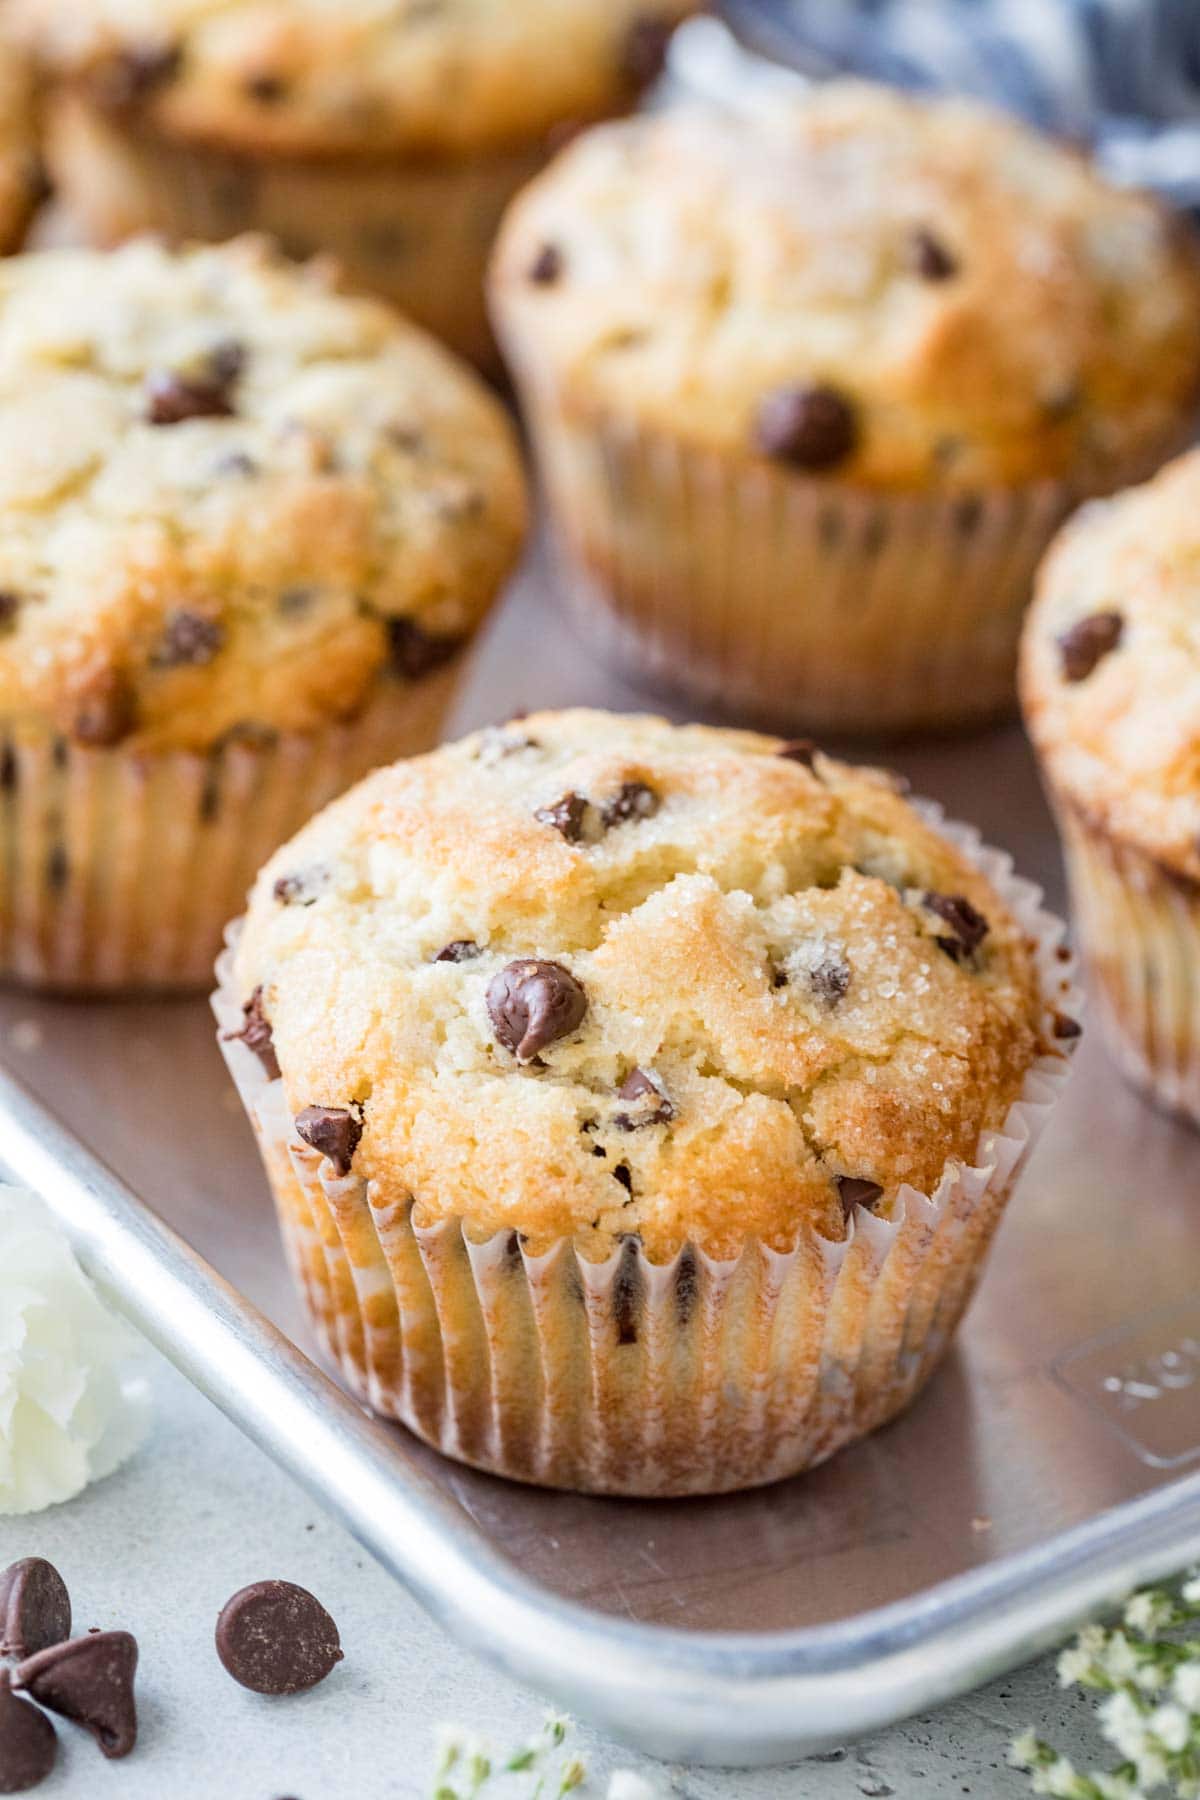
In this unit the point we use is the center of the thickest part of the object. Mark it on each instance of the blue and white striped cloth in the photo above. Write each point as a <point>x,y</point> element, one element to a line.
<point>1122,75</point>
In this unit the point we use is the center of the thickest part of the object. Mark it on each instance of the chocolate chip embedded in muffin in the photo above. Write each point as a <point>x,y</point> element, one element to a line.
<point>106,712</point>
<point>829,978</point>
<point>415,652</point>
<point>547,266</point>
<point>188,639</point>
<point>334,1131</point>
<point>302,888</point>
<point>645,1103</point>
<point>633,800</point>
<point>644,51</point>
<point>1065,1028</point>
<point>929,257</point>
<point>265,88</point>
<point>257,1035</point>
<point>968,928</point>
<point>856,1190</point>
<point>276,1638</point>
<point>1088,642</point>
<point>567,816</point>
<point>807,427</point>
<point>799,750</point>
<point>533,1003</point>
<point>90,1681</point>
<point>173,398</point>
<point>461,950</point>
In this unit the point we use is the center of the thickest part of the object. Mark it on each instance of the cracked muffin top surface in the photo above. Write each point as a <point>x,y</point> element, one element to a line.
<point>1110,675</point>
<point>590,976</point>
<point>892,291</point>
<point>355,76</point>
<point>230,496</point>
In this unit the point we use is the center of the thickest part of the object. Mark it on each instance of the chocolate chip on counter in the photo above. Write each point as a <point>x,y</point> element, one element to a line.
<point>533,1003</point>
<point>547,266</point>
<point>645,1102</point>
<point>829,979</point>
<point>415,652</point>
<point>189,639</point>
<point>798,750</point>
<point>968,926</point>
<point>256,1034</point>
<point>88,1680</point>
<point>811,427</point>
<point>1088,642</point>
<point>633,800</point>
<point>334,1131</point>
<point>929,257</point>
<point>106,712</point>
<point>276,1638</point>
<point>35,1608</point>
<point>10,606</point>
<point>1066,1028</point>
<point>566,816</point>
<point>855,1190</point>
<point>173,398</point>
<point>644,51</point>
<point>461,950</point>
<point>28,1744</point>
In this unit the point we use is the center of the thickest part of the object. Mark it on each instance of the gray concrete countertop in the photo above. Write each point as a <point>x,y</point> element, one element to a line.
<point>159,1547</point>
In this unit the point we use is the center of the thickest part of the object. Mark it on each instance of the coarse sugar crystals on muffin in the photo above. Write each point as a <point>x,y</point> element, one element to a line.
<point>392,135</point>
<point>246,524</point>
<point>813,387</point>
<point>600,1066</point>
<point>1111,691</point>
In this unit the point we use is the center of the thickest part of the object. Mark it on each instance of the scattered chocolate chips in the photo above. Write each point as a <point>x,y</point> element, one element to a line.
<point>566,816</point>
<point>1066,1028</point>
<point>633,800</point>
<point>855,1190</point>
<point>644,51</point>
<point>90,1681</point>
<point>28,1744</point>
<point>829,979</point>
<point>276,1638</point>
<point>106,711</point>
<point>415,652</point>
<point>35,1608</point>
<point>547,266</point>
<point>256,1034</point>
<point>10,606</point>
<point>172,398</point>
<point>189,639</point>
<point>1088,642</point>
<point>461,950</point>
<point>334,1131</point>
<point>968,927</point>
<point>798,750</point>
<point>810,427</point>
<point>929,257</point>
<point>533,1003</point>
<point>645,1102</point>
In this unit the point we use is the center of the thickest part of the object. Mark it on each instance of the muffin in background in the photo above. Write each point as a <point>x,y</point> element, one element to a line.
<point>639,1101</point>
<point>813,388</point>
<point>22,174</point>
<point>391,137</point>
<point>1110,682</point>
<point>246,527</point>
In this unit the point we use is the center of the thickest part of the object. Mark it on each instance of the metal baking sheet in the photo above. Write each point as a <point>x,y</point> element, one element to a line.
<point>1053,1461</point>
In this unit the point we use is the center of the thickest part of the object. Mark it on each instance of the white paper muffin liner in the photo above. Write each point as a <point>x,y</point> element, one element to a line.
<point>786,599</point>
<point>119,868</point>
<point>690,1377</point>
<point>1139,931</point>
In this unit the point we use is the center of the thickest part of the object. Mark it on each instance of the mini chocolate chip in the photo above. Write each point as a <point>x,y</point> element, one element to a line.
<point>415,652</point>
<point>256,1034</point>
<point>334,1131</point>
<point>779,978</point>
<point>798,750</point>
<point>929,257</point>
<point>1066,1028</point>
<point>35,1608</point>
<point>968,926</point>
<point>266,88</point>
<point>10,606</point>
<point>810,427</point>
<point>28,1744</point>
<point>547,266</point>
<point>566,816</point>
<point>276,1638</point>
<point>633,800</point>
<point>1088,642</point>
<point>189,639</point>
<point>173,398</point>
<point>855,1190</point>
<point>106,711</point>
<point>624,1174</point>
<point>301,889</point>
<point>88,1680</point>
<point>644,50</point>
<point>532,1004</point>
<point>461,950</point>
<point>646,1102</point>
<point>136,74</point>
<point>830,979</point>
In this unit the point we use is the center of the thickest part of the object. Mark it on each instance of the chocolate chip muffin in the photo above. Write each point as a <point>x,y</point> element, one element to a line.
<point>246,527</point>
<point>1111,688</point>
<point>392,136</point>
<point>813,388</point>
<point>639,1101</point>
<point>22,174</point>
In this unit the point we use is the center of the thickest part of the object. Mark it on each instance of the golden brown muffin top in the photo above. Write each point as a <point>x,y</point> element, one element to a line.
<point>325,77</point>
<point>1110,676</point>
<point>230,496</point>
<point>588,976</point>
<point>897,292</point>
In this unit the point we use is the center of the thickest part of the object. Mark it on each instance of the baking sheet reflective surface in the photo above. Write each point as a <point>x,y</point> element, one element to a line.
<point>1076,1383</point>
